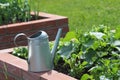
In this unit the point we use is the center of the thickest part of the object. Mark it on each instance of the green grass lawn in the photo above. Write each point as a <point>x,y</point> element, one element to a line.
<point>83,14</point>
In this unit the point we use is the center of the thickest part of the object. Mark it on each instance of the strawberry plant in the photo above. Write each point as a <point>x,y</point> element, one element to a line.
<point>92,55</point>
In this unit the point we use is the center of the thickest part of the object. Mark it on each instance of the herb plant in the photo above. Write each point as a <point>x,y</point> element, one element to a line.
<point>93,55</point>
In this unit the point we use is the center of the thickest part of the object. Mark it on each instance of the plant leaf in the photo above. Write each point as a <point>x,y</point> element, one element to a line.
<point>66,51</point>
<point>98,35</point>
<point>70,35</point>
<point>116,43</point>
<point>86,77</point>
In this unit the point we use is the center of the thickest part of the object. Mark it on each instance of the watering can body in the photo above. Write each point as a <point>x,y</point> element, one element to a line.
<point>40,58</point>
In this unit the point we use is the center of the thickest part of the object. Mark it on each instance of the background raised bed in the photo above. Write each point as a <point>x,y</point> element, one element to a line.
<point>50,24</point>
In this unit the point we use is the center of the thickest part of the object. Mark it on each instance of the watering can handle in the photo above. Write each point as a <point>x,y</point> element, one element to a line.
<point>20,34</point>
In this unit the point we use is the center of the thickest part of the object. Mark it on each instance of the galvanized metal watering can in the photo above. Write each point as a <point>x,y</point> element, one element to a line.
<point>40,58</point>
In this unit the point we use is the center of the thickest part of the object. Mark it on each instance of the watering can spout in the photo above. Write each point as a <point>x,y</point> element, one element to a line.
<point>53,51</point>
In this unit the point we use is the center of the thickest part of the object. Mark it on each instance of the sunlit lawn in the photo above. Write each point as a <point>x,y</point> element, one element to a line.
<point>83,14</point>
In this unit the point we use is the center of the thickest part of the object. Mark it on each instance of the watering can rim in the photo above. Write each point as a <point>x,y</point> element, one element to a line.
<point>42,35</point>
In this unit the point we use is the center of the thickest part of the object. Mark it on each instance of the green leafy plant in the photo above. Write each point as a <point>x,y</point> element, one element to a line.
<point>21,52</point>
<point>12,11</point>
<point>93,55</point>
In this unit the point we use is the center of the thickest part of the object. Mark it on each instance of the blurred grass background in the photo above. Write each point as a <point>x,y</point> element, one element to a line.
<point>83,14</point>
